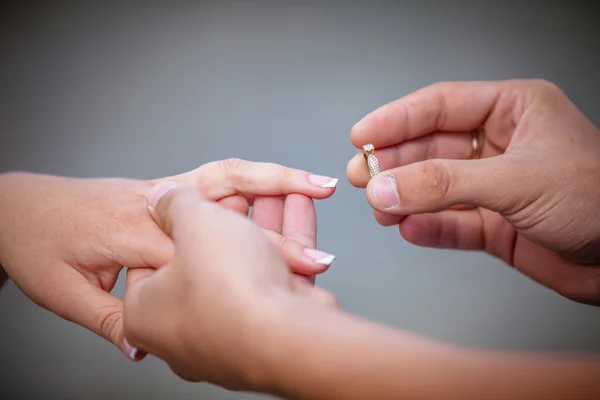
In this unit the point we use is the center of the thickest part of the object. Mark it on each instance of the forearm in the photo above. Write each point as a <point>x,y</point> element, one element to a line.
<point>316,354</point>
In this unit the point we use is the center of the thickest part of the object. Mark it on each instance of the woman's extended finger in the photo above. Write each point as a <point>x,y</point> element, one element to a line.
<point>290,223</point>
<point>300,220</point>
<point>300,224</point>
<point>220,179</point>
<point>447,106</point>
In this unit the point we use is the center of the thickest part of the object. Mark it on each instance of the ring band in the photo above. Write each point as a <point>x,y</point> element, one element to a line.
<point>372,161</point>
<point>476,144</point>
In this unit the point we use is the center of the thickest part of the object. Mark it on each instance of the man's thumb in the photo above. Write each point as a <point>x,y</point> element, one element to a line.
<point>435,185</point>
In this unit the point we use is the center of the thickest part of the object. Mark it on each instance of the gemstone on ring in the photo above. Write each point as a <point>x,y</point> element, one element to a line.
<point>372,161</point>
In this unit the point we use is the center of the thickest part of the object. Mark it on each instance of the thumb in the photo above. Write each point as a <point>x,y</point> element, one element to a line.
<point>91,307</point>
<point>170,203</point>
<point>498,184</point>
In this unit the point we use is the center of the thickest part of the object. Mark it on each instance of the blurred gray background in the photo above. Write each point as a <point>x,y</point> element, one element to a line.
<point>150,89</point>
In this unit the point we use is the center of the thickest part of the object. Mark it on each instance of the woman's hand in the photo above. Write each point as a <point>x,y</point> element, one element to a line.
<point>214,304</point>
<point>533,199</point>
<point>64,241</point>
<point>241,320</point>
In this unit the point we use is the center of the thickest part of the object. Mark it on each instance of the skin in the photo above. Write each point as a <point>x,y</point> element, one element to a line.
<point>261,333</point>
<point>246,321</point>
<point>532,200</point>
<point>64,241</point>
<point>243,321</point>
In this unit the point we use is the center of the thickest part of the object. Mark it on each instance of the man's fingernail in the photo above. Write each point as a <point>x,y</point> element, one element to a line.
<point>129,349</point>
<point>319,257</point>
<point>323,181</point>
<point>159,191</point>
<point>385,191</point>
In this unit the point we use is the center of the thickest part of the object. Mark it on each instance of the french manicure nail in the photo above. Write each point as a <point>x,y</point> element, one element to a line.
<point>159,191</point>
<point>319,257</point>
<point>132,353</point>
<point>323,181</point>
<point>129,349</point>
<point>385,191</point>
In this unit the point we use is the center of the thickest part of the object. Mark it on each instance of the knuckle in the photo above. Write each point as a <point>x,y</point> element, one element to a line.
<point>546,90</point>
<point>109,322</point>
<point>543,84</point>
<point>285,173</point>
<point>281,243</point>
<point>436,177</point>
<point>281,174</point>
<point>233,169</point>
<point>301,238</point>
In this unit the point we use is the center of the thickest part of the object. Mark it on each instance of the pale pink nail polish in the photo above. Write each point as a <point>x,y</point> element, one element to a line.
<point>129,349</point>
<point>319,256</point>
<point>323,181</point>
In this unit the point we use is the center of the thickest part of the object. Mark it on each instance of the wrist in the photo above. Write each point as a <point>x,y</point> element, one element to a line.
<point>267,345</point>
<point>311,352</point>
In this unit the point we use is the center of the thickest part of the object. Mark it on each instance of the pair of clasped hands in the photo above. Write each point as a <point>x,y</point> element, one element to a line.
<point>231,300</point>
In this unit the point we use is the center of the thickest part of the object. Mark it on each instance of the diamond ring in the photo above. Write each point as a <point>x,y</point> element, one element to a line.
<point>372,161</point>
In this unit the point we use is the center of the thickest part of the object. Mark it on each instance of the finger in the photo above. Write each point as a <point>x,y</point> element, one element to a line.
<point>300,220</point>
<point>300,225</point>
<point>236,203</point>
<point>384,219</point>
<point>170,203</point>
<point>450,229</point>
<point>137,274</point>
<point>502,184</point>
<point>147,296</point>
<point>91,307</point>
<point>446,145</point>
<point>191,221</point>
<point>447,106</point>
<point>302,260</point>
<point>574,281</point>
<point>267,212</point>
<point>220,179</point>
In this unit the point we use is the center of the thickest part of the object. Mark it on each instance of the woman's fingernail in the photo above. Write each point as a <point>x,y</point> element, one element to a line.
<point>319,257</point>
<point>323,181</point>
<point>129,349</point>
<point>159,191</point>
<point>385,191</point>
